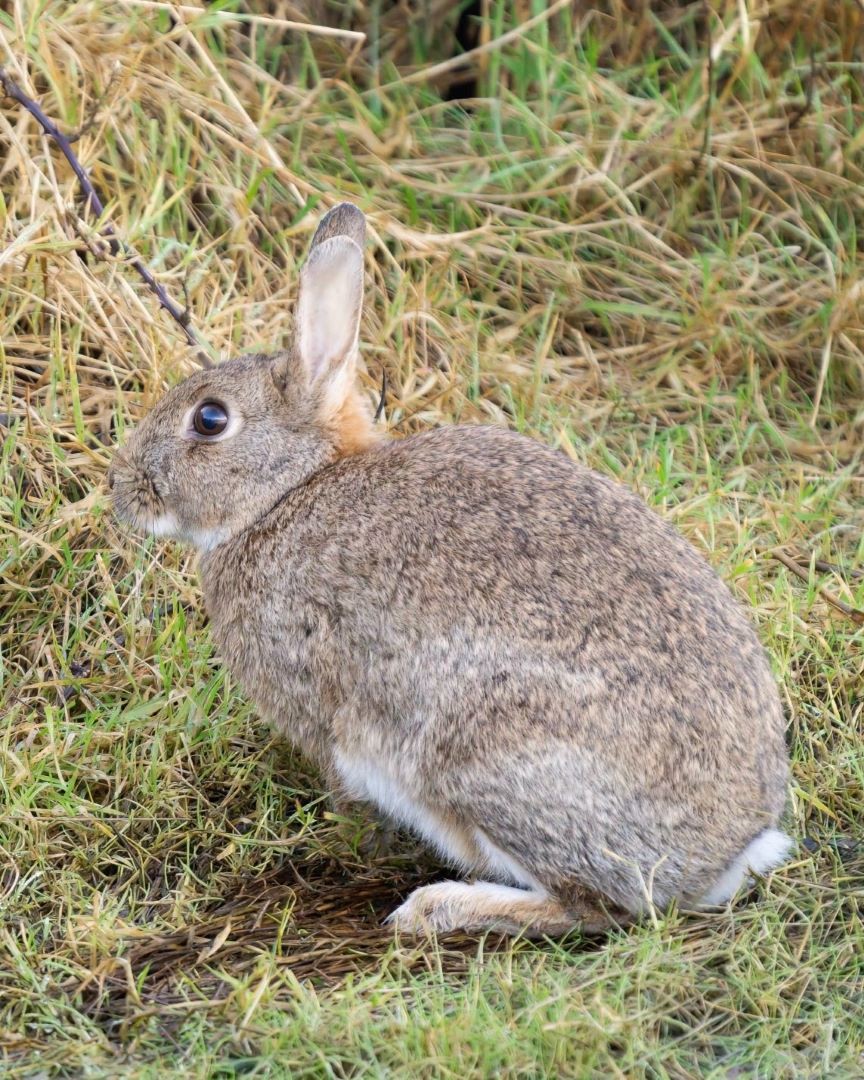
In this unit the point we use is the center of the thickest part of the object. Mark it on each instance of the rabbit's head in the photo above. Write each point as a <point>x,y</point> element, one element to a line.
<point>223,446</point>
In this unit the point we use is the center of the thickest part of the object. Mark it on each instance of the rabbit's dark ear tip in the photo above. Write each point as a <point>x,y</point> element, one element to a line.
<point>343,220</point>
<point>347,209</point>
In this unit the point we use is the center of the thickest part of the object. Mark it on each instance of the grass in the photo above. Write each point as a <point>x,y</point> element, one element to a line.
<point>606,243</point>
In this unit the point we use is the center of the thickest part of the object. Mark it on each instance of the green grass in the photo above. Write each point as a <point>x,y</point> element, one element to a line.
<point>563,253</point>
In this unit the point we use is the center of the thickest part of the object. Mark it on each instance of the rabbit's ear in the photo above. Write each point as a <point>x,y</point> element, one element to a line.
<point>328,316</point>
<point>343,220</point>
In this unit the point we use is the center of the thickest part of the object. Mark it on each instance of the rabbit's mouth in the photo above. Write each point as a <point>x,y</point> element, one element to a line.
<point>138,501</point>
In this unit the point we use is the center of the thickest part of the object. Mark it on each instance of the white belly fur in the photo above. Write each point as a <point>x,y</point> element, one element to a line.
<point>470,850</point>
<point>370,781</point>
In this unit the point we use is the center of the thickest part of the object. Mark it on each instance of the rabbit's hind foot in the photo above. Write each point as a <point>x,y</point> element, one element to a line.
<point>456,905</point>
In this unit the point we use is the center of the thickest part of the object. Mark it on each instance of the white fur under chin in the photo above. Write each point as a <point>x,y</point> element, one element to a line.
<point>206,539</point>
<point>164,526</point>
<point>770,849</point>
<point>167,526</point>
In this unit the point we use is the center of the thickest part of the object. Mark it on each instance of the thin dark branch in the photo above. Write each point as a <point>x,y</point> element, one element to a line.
<point>801,111</point>
<point>855,614</point>
<point>379,412</point>
<point>92,203</point>
<point>709,101</point>
<point>420,408</point>
<point>91,115</point>
<point>832,568</point>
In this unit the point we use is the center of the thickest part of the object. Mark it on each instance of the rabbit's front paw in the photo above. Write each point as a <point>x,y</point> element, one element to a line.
<point>432,909</point>
<point>485,905</point>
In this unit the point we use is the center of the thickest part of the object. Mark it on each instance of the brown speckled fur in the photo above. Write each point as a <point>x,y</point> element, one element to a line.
<point>518,642</point>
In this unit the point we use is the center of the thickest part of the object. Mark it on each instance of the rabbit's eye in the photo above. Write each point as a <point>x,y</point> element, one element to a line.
<point>210,419</point>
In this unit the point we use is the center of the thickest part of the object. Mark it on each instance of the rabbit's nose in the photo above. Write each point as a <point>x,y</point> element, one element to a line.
<point>117,463</point>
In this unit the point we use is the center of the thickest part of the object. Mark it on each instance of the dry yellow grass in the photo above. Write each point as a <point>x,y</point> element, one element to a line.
<point>610,243</point>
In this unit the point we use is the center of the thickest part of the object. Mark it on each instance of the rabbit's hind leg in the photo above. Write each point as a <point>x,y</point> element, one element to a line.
<point>482,905</point>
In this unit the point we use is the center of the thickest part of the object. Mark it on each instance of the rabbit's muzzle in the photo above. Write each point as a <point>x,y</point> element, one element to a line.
<point>135,494</point>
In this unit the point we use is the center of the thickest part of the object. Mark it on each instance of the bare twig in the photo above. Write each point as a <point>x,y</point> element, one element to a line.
<point>92,112</point>
<point>709,100</point>
<point>800,111</point>
<point>93,203</point>
<point>855,614</point>
<point>832,568</point>
<point>825,361</point>
<point>379,412</point>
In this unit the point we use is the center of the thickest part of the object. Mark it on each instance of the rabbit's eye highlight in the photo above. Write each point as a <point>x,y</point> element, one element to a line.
<point>210,419</point>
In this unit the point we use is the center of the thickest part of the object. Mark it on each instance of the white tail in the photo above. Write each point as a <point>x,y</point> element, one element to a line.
<point>770,849</point>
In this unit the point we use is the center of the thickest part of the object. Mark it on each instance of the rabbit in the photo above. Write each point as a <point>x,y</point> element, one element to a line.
<point>499,649</point>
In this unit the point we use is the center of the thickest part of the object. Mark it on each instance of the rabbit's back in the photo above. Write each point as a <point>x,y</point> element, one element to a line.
<point>486,613</point>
